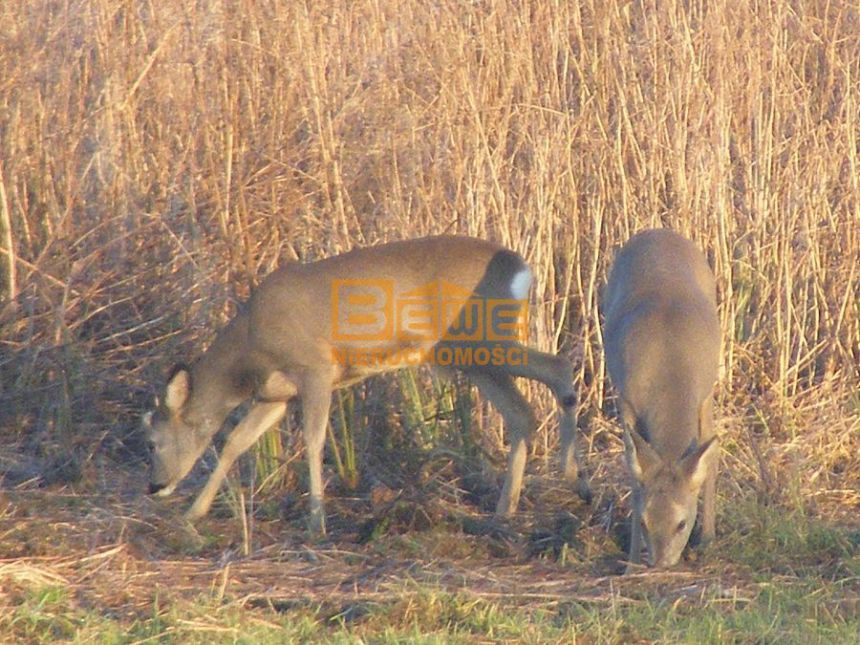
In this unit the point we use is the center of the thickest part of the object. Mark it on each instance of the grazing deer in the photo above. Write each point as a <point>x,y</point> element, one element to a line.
<point>455,302</point>
<point>662,342</point>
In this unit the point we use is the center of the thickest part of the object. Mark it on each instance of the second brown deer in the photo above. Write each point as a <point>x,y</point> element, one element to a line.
<point>662,342</point>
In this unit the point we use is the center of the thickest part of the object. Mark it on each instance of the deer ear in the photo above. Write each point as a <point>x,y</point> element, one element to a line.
<point>178,389</point>
<point>642,459</point>
<point>699,460</point>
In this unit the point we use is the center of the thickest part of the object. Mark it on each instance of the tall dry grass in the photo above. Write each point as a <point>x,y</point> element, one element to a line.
<point>156,159</point>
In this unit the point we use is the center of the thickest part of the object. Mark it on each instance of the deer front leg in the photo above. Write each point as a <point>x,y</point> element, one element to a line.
<point>635,554</point>
<point>709,502</point>
<point>709,488</point>
<point>634,557</point>
<point>260,418</point>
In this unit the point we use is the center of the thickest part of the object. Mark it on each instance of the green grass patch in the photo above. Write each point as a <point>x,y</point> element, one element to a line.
<point>778,612</point>
<point>773,539</point>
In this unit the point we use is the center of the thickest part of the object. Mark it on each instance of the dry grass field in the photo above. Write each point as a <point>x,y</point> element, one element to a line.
<point>158,158</point>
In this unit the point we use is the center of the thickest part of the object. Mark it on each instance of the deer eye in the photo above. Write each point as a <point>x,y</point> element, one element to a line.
<point>681,526</point>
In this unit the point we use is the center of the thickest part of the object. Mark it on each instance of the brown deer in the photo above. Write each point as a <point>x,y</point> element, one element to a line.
<point>662,343</point>
<point>455,302</point>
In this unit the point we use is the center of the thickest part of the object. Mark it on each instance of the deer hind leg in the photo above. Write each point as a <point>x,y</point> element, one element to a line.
<point>556,373</point>
<point>520,422</point>
<point>261,417</point>
<point>316,402</point>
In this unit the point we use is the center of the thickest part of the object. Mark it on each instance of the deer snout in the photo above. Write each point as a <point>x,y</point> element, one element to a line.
<point>659,553</point>
<point>665,558</point>
<point>664,563</point>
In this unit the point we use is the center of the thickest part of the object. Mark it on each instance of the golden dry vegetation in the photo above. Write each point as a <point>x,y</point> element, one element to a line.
<point>157,159</point>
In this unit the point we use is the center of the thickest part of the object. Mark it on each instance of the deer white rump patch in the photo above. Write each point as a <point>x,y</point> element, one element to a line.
<point>521,283</point>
